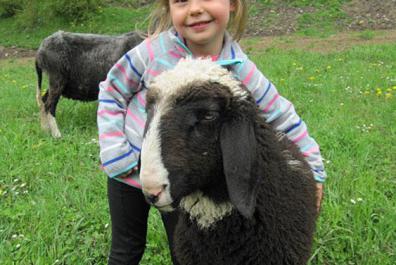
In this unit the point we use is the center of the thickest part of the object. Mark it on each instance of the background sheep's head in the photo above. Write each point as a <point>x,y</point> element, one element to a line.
<point>196,139</point>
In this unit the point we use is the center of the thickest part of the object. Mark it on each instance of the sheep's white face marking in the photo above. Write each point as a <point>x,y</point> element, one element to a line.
<point>203,210</point>
<point>196,70</point>
<point>153,173</point>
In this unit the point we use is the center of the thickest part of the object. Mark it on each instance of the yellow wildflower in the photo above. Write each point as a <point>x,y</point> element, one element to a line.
<point>388,96</point>
<point>311,78</point>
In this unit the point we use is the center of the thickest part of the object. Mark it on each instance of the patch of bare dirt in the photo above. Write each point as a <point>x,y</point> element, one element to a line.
<point>15,52</point>
<point>279,20</point>
<point>337,42</point>
<point>360,15</point>
<point>371,14</point>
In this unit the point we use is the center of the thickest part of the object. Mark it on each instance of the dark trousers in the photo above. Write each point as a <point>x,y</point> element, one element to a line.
<point>129,214</point>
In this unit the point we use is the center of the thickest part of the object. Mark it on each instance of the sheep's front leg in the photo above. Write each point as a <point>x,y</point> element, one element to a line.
<point>53,126</point>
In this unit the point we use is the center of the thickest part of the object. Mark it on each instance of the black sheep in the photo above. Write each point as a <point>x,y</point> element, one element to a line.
<point>75,64</point>
<point>245,194</point>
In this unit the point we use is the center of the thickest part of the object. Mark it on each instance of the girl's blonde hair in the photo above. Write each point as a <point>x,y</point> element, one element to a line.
<point>160,19</point>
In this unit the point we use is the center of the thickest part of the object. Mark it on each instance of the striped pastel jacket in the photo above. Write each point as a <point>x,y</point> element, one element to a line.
<point>121,112</point>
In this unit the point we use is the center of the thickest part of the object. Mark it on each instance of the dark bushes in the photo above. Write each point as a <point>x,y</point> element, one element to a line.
<point>9,8</point>
<point>75,10</point>
<point>31,13</point>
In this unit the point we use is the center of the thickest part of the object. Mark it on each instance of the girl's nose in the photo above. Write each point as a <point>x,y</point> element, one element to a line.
<point>196,7</point>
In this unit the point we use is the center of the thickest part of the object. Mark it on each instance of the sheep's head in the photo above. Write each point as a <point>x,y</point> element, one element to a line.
<point>196,140</point>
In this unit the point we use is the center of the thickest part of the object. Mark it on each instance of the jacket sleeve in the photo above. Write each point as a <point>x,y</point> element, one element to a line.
<point>279,112</point>
<point>117,155</point>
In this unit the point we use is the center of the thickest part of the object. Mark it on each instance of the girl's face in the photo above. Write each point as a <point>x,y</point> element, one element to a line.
<point>201,22</point>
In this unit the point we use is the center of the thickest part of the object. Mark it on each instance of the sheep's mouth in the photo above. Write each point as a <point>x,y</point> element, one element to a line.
<point>166,208</point>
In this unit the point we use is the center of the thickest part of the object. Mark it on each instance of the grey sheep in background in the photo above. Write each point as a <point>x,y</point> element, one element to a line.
<point>245,194</point>
<point>75,64</point>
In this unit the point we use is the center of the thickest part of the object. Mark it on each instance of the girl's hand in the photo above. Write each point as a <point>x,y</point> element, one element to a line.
<point>128,173</point>
<point>319,195</point>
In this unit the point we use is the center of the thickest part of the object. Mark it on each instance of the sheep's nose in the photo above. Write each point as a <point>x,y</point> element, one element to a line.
<point>152,194</point>
<point>152,198</point>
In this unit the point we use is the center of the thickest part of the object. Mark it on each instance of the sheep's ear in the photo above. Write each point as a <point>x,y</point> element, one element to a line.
<point>238,146</point>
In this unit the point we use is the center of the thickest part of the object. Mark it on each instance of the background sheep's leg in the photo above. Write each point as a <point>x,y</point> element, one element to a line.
<point>43,114</point>
<point>53,126</point>
<point>51,99</point>
<point>39,98</point>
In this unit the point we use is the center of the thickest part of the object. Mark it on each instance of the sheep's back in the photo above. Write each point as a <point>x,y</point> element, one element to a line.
<point>80,61</point>
<point>281,229</point>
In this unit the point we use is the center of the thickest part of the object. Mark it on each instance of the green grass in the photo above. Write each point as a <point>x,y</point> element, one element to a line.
<point>366,35</point>
<point>324,21</point>
<point>53,195</point>
<point>109,20</point>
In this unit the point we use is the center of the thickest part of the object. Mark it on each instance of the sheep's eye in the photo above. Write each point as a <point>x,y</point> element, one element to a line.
<point>209,116</point>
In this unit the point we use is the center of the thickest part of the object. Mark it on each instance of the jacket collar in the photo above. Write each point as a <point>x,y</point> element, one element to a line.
<point>227,56</point>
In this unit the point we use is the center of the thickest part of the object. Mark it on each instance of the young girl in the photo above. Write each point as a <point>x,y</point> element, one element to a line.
<point>179,29</point>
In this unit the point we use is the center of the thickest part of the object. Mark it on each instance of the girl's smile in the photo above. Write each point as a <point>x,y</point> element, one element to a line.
<point>202,23</point>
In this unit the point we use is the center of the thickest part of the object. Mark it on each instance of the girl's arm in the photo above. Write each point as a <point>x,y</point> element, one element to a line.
<point>279,112</point>
<point>122,83</point>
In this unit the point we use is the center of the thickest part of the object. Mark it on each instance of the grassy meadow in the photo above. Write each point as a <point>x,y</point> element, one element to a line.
<point>53,195</point>
<point>53,199</point>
